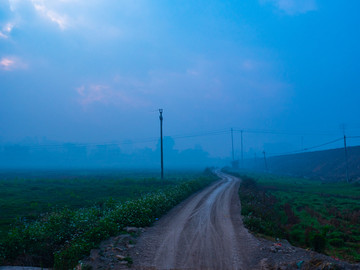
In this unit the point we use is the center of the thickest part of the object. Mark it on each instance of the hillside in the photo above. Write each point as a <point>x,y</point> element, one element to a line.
<point>326,165</point>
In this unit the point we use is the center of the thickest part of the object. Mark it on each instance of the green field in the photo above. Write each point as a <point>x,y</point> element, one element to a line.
<point>59,218</point>
<point>311,214</point>
<point>27,194</point>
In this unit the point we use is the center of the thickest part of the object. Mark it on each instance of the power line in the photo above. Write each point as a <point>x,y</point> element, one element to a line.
<point>307,148</point>
<point>277,132</point>
<point>321,145</point>
<point>201,134</point>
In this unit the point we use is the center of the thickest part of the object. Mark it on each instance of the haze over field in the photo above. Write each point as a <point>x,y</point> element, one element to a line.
<point>96,72</point>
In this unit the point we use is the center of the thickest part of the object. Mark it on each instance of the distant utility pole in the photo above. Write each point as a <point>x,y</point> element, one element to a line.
<point>232,144</point>
<point>266,166</point>
<point>346,154</point>
<point>302,143</point>
<point>242,150</point>
<point>346,160</point>
<point>161,143</point>
<point>255,162</point>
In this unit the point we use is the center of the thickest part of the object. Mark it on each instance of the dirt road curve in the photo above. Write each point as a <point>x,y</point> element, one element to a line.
<point>204,232</point>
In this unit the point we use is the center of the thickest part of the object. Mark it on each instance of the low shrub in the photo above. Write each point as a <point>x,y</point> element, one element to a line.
<point>248,183</point>
<point>297,236</point>
<point>318,242</point>
<point>310,214</point>
<point>336,242</point>
<point>258,209</point>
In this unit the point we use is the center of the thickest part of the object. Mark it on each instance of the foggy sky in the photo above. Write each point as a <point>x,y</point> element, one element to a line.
<point>91,71</point>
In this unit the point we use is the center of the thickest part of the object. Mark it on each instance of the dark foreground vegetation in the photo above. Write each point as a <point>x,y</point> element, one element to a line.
<point>310,214</point>
<point>63,236</point>
<point>26,194</point>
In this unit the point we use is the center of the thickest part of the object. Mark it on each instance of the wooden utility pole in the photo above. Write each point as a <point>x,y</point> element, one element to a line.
<point>242,150</point>
<point>255,162</point>
<point>346,154</point>
<point>266,166</point>
<point>346,160</point>
<point>161,143</point>
<point>302,143</point>
<point>232,144</point>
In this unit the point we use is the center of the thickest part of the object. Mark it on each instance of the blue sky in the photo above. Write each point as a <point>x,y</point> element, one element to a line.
<point>96,71</point>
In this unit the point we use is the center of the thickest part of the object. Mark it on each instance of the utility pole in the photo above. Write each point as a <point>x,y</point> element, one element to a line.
<point>161,144</point>
<point>346,160</point>
<point>255,162</point>
<point>302,143</point>
<point>346,154</point>
<point>266,167</point>
<point>242,150</point>
<point>232,144</point>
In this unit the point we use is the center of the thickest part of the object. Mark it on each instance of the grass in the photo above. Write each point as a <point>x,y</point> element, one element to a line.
<point>62,236</point>
<point>25,195</point>
<point>311,214</point>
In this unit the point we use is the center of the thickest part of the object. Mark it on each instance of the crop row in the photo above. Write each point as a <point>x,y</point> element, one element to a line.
<point>322,216</point>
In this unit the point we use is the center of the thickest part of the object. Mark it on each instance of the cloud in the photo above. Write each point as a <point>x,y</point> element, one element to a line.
<point>46,9</point>
<point>6,30</point>
<point>91,94</point>
<point>8,27</point>
<point>11,63</point>
<point>2,35</point>
<point>124,18</point>
<point>106,94</point>
<point>13,4</point>
<point>7,63</point>
<point>293,7</point>
<point>60,20</point>
<point>252,65</point>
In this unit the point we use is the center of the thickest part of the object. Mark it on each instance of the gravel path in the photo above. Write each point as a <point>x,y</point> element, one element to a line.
<point>204,232</point>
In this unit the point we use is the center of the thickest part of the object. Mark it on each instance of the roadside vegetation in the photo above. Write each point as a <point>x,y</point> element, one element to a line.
<point>324,217</point>
<point>24,195</point>
<point>64,235</point>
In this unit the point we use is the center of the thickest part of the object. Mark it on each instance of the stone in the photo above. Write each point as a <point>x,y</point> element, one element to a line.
<point>131,229</point>
<point>94,254</point>
<point>120,257</point>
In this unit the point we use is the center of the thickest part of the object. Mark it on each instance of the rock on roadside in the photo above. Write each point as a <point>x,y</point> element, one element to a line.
<point>113,253</point>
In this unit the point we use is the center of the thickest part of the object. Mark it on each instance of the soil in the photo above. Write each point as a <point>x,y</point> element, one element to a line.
<point>204,232</point>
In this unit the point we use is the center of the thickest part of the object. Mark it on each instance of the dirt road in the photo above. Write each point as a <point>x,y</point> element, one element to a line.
<point>204,232</point>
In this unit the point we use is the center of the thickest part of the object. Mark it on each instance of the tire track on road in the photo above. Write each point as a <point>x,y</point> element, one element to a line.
<point>204,232</point>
